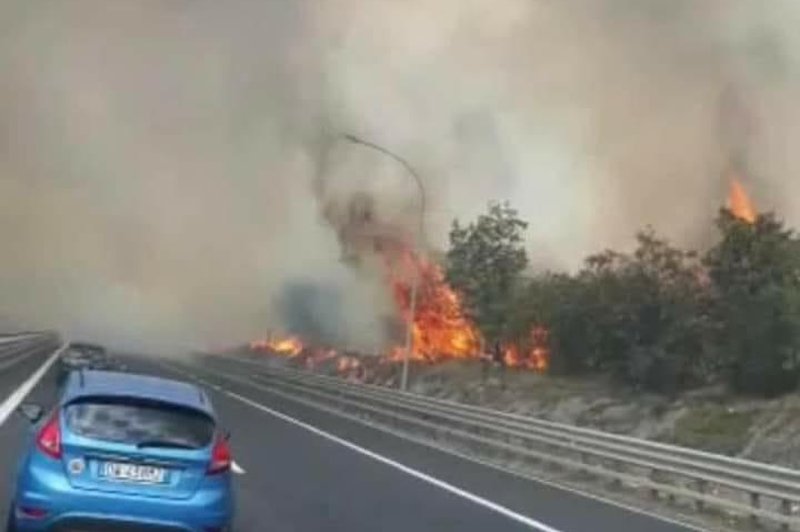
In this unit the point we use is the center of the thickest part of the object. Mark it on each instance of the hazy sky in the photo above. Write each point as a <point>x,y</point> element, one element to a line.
<point>156,157</point>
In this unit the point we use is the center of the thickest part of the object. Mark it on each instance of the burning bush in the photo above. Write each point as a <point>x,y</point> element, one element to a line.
<point>485,264</point>
<point>739,203</point>
<point>440,327</point>
<point>289,345</point>
<point>660,318</point>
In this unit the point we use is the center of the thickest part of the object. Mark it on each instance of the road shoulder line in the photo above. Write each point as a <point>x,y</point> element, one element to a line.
<point>18,395</point>
<point>522,519</point>
<point>687,523</point>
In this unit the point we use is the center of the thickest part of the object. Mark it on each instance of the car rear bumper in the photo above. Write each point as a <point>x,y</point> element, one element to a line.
<point>210,507</point>
<point>95,524</point>
<point>108,517</point>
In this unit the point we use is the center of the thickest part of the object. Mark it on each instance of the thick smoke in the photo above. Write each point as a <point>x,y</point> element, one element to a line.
<point>157,157</point>
<point>594,117</point>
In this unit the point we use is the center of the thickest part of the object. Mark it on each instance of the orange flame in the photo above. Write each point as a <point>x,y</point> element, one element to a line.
<point>740,204</point>
<point>290,346</point>
<point>441,329</point>
<point>440,326</point>
<point>537,358</point>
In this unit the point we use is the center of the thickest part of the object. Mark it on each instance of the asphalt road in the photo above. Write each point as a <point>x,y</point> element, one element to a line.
<point>307,471</point>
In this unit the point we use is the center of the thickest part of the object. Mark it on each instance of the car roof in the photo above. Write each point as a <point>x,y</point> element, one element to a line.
<point>93,383</point>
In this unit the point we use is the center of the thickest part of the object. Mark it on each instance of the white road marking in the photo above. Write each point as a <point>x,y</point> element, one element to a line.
<point>532,523</point>
<point>236,468</point>
<point>485,463</point>
<point>18,395</point>
<point>469,458</point>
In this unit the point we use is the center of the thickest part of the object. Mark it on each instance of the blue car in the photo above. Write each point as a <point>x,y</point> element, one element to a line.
<point>124,452</point>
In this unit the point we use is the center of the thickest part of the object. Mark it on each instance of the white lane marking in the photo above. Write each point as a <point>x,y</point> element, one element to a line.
<point>451,451</point>
<point>463,456</point>
<point>236,468</point>
<point>532,523</point>
<point>18,395</point>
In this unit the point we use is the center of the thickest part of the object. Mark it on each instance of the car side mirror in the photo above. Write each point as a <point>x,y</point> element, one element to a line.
<point>32,412</point>
<point>226,434</point>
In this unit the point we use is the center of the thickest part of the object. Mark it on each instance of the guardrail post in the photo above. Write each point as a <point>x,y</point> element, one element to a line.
<point>786,509</point>
<point>702,485</point>
<point>755,502</point>
<point>654,477</point>
<point>658,477</point>
<point>617,467</point>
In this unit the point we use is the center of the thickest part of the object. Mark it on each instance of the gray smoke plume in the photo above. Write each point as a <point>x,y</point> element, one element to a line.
<point>157,158</point>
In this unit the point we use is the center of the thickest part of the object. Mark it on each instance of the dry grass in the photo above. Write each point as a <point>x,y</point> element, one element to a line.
<point>715,428</point>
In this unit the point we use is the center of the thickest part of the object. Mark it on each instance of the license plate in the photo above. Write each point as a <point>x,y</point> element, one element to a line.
<point>133,473</point>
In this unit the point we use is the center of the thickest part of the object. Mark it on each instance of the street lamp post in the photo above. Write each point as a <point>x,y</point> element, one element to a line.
<point>420,232</point>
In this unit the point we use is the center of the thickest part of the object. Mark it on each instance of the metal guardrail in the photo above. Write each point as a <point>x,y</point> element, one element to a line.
<point>747,488</point>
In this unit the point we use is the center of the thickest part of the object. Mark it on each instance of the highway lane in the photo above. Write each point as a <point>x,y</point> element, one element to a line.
<point>17,357</point>
<point>560,509</point>
<point>20,360</point>
<point>298,482</point>
<point>297,479</point>
<point>23,364</point>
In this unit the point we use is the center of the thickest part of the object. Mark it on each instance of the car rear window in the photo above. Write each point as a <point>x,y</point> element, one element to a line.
<point>135,423</point>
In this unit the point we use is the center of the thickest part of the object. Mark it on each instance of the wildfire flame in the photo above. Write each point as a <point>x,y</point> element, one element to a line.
<point>740,204</point>
<point>291,345</point>
<point>440,329</point>
<point>538,356</point>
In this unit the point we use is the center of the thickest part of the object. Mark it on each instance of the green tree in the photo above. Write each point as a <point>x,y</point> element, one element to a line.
<point>664,317</point>
<point>642,317</point>
<point>558,301</point>
<point>756,273</point>
<point>484,264</point>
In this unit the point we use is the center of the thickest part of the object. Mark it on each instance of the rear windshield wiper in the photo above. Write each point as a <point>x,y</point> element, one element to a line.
<point>171,444</point>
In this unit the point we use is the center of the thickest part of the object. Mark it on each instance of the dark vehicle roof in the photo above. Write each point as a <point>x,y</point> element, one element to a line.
<point>113,384</point>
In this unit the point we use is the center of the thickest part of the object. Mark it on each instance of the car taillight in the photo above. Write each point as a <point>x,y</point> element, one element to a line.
<point>31,512</point>
<point>49,438</point>
<point>220,457</point>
